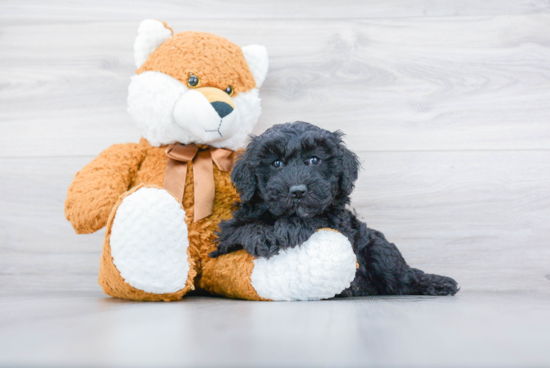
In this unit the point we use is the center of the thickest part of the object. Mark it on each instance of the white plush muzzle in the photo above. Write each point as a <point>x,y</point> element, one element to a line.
<point>167,112</point>
<point>193,112</point>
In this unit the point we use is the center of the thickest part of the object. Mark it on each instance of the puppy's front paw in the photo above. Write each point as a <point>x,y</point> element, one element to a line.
<point>319,268</point>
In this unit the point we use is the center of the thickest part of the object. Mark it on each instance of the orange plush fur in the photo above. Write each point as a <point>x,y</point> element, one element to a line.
<point>176,58</point>
<point>99,188</point>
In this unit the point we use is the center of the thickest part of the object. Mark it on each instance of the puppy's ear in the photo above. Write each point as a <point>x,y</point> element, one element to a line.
<point>244,178</point>
<point>350,167</point>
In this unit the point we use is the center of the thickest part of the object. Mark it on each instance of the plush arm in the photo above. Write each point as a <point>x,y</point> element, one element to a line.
<point>96,188</point>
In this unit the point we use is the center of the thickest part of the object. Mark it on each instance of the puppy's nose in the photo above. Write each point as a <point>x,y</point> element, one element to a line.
<point>297,191</point>
<point>223,109</point>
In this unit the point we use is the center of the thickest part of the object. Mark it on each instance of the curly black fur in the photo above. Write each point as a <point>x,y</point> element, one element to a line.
<point>270,218</point>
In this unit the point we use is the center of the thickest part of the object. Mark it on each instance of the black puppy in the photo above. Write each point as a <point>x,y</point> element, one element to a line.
<point>296,178</point>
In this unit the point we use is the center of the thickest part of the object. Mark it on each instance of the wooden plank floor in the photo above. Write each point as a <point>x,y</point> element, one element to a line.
<point>84,329</point>
<point>446,103</point>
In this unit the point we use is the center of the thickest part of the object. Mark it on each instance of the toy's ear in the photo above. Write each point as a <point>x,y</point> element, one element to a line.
<point>258,62</point>
<point>151,34</point>
<point>244,178</point>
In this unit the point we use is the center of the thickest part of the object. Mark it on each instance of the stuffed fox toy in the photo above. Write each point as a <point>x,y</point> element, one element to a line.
<point>195,100</point>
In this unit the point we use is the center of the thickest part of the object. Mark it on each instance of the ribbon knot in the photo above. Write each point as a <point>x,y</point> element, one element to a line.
<point>203,173</point>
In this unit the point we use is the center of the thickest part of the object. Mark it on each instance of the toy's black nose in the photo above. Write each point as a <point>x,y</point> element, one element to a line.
<point>297,191</point>
<point>223,109</point>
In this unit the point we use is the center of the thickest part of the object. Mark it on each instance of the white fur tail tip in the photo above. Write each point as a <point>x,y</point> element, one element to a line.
<point>320,268</point>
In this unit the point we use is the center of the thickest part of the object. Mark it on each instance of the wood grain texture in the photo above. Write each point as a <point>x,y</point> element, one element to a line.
<point>87,330</point>
<point>36,11</point>
<point>460,83</point>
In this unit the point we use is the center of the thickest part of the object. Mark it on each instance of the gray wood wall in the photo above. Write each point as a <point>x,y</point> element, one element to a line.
<point>446,102</point>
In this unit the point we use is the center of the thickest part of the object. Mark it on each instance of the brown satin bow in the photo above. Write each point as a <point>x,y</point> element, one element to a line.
<point>203,173</point>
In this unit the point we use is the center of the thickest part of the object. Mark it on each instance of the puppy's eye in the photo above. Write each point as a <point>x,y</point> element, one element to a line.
<point>229,90</point>
<point>193,81</point>
<point>277,164</point>
<point>313,161</point>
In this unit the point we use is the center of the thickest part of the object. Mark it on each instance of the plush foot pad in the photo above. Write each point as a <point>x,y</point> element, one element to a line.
<point>320,268</point>
<point>149,241</point>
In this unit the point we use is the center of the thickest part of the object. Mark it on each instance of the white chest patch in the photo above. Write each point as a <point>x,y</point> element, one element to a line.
<point>320,268</point>
<point>149,241</point>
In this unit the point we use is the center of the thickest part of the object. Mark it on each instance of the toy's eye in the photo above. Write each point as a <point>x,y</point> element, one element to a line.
<point>277,164</point>
<point>193,81</point>
<point>229,90</point>
<point>313,161</point>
